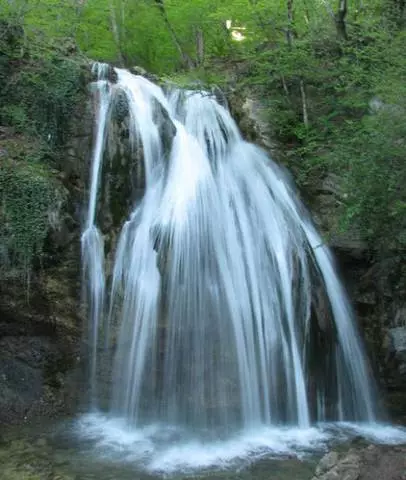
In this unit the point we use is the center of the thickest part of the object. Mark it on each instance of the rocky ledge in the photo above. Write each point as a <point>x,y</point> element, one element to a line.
<point>371,462</point>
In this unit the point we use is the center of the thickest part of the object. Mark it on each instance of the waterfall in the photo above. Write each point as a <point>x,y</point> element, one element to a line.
<point>92,240</point>
<point>209,308</point>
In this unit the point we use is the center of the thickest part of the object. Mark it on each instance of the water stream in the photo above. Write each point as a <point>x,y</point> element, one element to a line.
<point>218,352</point>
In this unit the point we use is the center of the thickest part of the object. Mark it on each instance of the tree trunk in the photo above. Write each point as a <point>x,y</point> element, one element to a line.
<point>116,32</point>
<point>285,87</point>
<point>340,20</point>
<point>199,46</point>
<point>290,35</point>
<point>304,104</point>
<point>306,13</point>
<point>289,30</point>
<point>186,60</point>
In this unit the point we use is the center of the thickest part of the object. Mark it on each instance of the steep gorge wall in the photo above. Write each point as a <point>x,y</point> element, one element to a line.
<point>43,351</point>
<point>40,315</point>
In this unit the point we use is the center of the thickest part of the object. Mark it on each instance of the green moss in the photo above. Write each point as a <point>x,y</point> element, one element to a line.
<point>41,98</point>
<point>28,195</point>
<point>27,460</point>
<point>42,85</point>
<point>197,79</point>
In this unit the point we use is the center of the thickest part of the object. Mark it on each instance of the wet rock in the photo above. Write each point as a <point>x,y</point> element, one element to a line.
<point>111,74</point>
<point>137,70</point>
<point>327,463</point>
<point>398,337</point>
<point>123,174</point>
<point>120,107</point>
<point>30,377</point>
<point>331,467</point>
<point>167,129</point>
<point>397,344</point>
<point>373,462</point>
<point>40,320</point>
<point>400,318</point>
<point>257,113</point>
<point>247,112</point>
<point>104,71</point>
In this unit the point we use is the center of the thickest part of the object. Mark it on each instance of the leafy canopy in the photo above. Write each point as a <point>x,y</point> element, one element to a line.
<point>316,68</point>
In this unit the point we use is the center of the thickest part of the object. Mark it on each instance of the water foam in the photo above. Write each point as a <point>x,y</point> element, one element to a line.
<point>165,450</point>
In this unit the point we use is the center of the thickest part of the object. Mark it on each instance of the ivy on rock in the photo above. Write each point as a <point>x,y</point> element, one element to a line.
<point>28,198</point>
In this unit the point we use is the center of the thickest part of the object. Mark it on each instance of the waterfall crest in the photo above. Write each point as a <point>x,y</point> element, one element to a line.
<point>209,308</point>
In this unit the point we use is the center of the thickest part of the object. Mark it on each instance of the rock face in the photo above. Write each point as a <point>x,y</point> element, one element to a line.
<point>397,337</point>
<point>40,320</point>
<point>368,463</point>
<point>332,467</point>
<point>377,288</point>
<point>123,172</point>
<point>394,345</point>
<point>32,376</point>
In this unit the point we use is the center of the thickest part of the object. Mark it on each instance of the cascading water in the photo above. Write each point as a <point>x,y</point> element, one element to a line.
<point>92,240</point>
<point>213,281</point>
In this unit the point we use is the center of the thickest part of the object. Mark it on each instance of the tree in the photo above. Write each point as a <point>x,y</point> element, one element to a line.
<point>340,20</point>
<point>186,60</point>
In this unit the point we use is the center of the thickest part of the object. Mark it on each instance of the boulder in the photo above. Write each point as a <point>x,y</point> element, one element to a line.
<point>372,462</point>
<point>396,344</point>
<point>332,467</point>
<point>329,461</point>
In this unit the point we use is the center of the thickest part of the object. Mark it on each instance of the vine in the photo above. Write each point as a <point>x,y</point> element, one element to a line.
<point>27,197</point>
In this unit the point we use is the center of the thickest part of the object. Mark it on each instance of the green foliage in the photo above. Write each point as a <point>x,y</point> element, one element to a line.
<point>41,86</point>
<point>28,196</point>
<point>342,81</point>
<point>316,82</point>
<point>196,79</point>
<point>368,144</point>
<point>41,97</point>
<point>375,176</point>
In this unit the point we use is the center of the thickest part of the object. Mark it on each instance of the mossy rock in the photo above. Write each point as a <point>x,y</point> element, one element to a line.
<point>31,199</point>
